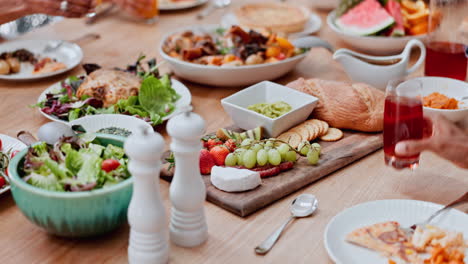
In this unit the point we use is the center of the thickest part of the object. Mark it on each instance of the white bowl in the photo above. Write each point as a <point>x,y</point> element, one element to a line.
<point>378,45</point>
<point>227,75</point>
<point>236,106</point>
<point>451,88</point>
<point>93,123</point>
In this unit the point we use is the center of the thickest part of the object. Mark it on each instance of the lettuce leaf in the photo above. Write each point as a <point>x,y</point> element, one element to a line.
<point>157,96</point>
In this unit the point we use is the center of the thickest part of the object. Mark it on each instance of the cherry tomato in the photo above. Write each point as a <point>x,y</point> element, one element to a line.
<point>14,153</point>
<point>2,182</point>
<point>281,56</point>
<point>110,165</point>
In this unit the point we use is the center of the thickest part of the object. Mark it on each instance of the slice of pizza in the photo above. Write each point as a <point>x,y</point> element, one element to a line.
<point>386,238</point>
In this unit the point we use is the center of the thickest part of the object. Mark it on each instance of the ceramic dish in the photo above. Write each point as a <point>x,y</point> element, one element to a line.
<point>313,24</point>
<point>68,53</point>
<point>184,100</point>
<point>94,123</point>
<point>9,143</point>
<point>451,88</point>
<point>234,75</point>
<point>236,106</point>
<point>72,214</point>
<point>406,212</point>
<point>376,45</point>
<point>168,5</point>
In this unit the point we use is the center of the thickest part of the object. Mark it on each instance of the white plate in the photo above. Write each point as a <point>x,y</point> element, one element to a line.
<point>9,143</point>
<point>167,5</point>
<point>313,24</point>
<point>68,53</point>
<point>232,75</point>
<point>184,100</point>
<point>93,123</point>
<point>377,45</point>
<point>406,212</point>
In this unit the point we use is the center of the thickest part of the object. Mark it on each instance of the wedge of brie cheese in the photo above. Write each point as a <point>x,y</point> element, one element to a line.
<point>234,180</point>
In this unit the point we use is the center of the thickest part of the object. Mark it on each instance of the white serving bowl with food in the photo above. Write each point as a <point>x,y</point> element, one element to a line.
<point>451,88</point>
<point>377,45</point>
<point>237,105</point>
<point>233,73</point>
<point>112,124</point>
<point>172,5</point>
<point>65,57</point>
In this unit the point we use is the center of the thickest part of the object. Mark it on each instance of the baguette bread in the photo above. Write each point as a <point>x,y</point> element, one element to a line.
<point>355,106</point>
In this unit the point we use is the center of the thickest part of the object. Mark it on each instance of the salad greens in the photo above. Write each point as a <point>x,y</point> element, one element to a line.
<point>75,164</point>
<point>156,97</point>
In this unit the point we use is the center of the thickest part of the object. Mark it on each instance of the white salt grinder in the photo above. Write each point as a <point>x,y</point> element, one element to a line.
<point>187,192</point>
<point>149,242</point>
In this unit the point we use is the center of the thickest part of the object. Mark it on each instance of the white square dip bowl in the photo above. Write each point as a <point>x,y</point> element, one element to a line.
<point>268,92</point>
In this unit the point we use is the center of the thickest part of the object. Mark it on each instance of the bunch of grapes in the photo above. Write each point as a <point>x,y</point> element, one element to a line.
<point>269,151</point>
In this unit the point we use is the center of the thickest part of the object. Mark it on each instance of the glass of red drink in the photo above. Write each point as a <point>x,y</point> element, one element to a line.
<point>403,120</point>
<point>447,50</point>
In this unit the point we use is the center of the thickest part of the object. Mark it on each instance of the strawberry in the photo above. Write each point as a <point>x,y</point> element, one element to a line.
<point>231,144</point>
<point>219,154</point>
<point>212,142</point>
<point>206,162</point>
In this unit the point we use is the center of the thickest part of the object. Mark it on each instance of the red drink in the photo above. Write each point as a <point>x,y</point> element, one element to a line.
<point>403,120</point>
<point>446,59</point>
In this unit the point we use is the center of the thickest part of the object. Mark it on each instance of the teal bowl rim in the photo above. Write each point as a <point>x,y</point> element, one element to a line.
<point>16,180</point>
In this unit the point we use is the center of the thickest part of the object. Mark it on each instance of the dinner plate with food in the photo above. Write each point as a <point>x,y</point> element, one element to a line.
<point>35,59</point>
<point>375,232</point>
<point>218,56</point>
<point>380,29</point>
<point>284,19</point>
<point>135,91</point>
<point>8,148</point>
<point>167,5</point>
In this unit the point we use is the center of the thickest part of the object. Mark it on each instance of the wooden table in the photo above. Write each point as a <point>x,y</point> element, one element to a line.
<point>231,238</point>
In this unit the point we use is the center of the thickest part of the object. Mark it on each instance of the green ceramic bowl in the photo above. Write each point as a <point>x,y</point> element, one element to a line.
<point>72,214</point>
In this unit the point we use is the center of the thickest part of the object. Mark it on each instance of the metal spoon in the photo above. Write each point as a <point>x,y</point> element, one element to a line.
<point>211,8</point>
<point>304,205</point>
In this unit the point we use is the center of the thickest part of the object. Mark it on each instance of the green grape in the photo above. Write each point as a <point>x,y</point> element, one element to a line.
<point>240,154</point>
<point>313,157</point>
<point>269,144</point>
<point>317,147</point>
<point>283,149</point>
<point>262,157</point>
<point>257,147</point>
<point>304,150</point>
<point>246,142</point>
<point>231,159</point>
<point>249,159</point>
<point>291,156</point>
<point>274,157</point>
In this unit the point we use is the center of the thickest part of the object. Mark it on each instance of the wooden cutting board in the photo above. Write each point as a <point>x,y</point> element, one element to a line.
<point>335,155</point>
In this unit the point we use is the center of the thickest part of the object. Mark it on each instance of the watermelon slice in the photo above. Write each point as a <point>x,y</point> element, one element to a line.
<point>394,9</point>
<point>367,18</point>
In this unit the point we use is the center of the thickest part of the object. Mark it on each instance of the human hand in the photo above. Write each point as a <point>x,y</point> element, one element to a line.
<point>75,8</point>
<point>443,138</point>
<point>138,8</point>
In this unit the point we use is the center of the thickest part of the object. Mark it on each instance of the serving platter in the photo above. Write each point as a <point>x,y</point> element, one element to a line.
<point>184,100</point>
<point>312,26</point>
<point>68,53</point>
<point>168,5</point>
<point>406,212</point>
<point>12,144</point>
<point>336,155</point>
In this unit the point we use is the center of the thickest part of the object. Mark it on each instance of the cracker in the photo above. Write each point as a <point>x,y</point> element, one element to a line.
<point>313,131</point>
<point>326,127</point>
<point>285,136</point>
<point>295,140</point>
<point>301,130</point>
<point>333,134</point>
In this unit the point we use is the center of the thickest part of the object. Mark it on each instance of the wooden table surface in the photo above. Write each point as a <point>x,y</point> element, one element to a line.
<point>231,238</point>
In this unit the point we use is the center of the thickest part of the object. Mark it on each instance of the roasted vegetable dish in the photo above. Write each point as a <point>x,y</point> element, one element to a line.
<point>233,47</point>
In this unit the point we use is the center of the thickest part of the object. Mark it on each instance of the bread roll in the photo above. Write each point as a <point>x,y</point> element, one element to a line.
<point>342,105</point>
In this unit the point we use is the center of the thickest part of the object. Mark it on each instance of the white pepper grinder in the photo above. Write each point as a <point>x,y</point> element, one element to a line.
<point>149,242</point>
<point>187,192</point>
